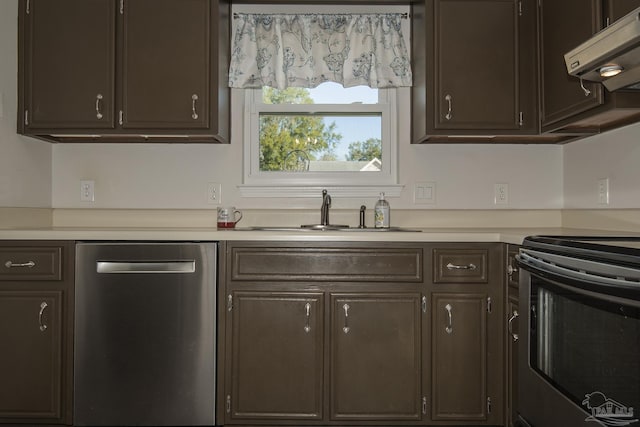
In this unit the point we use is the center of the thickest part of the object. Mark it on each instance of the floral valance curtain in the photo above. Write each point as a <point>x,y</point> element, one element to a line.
<point>304,50</point>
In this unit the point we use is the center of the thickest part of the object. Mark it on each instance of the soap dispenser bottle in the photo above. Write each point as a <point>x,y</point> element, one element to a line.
<point>381,213</point>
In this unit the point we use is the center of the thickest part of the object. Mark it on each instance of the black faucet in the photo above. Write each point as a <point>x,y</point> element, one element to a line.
<point>363,208</point>
<point>324,209</point>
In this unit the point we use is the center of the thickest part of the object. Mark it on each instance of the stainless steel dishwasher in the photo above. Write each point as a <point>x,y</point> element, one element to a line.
<point>145,334</point>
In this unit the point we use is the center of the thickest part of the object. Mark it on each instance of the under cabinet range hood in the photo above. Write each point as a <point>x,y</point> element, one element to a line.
<point>611,56</point>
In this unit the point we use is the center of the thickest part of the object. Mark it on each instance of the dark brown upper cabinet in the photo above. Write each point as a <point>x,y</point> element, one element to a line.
<point>474,69</point>
<point>124,70</point>
<point>68,65</point>
<point>566,107</point>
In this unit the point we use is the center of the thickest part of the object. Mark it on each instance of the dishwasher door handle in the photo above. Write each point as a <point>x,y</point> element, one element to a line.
<point>159,267</point>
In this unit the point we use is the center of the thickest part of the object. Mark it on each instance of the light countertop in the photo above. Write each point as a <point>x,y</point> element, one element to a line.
<point>505,235</point>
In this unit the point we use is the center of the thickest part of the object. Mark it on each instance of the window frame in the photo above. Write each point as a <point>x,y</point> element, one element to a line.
<point>255,106</point>
<point>258,183</point>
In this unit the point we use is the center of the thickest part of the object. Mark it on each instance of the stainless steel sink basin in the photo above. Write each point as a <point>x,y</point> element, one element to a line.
<point>319,227</point>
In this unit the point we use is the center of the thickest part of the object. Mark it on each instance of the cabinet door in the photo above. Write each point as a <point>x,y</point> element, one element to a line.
<point>276,356</point>
<point>476,67</point>
<point>31,356</point>
<point>459,357</point>
<point>165,64</point>
<point>563,26</point>
<point>375,357</point>
<point>69,64</point>
<point>512,360</point>
<point>616,9</point>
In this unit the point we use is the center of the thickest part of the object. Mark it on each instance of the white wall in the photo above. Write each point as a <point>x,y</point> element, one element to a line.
<point>614,155</point>
<point>176,176</point>
<point>25,163</point>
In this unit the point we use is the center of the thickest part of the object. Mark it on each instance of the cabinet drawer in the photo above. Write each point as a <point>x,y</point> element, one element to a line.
<point>30,263</point>
<point>460,265</point>
<point>327,264</point>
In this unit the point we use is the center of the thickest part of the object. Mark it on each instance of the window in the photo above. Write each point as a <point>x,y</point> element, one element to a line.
<point>326,136</point>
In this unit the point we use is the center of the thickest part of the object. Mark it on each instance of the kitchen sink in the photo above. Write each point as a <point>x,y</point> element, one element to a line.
<point>320,227</point>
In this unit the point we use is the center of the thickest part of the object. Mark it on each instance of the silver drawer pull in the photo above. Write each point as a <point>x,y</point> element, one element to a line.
<point>511,269</point>
<point>98,112</point>
<point>449,100</point>
<point>43,326</point>
<point>194,113</point>
<point>10,264</point>
<point>307,326</point>
<point>345,328</point>
<point>513,317</point>
<point>449,328</point>
<point>461,267</point>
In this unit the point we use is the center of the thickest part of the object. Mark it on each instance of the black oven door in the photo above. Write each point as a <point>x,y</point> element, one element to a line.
<point>580,363</point>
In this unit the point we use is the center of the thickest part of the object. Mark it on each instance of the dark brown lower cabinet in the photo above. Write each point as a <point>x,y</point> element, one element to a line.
<point>36,328</point>
<point>31,355</point>
<point>512,361</point>
<point>354,333</point>
<point>375,357</point>
<point>459,356</point>
<point>278,348</point>
<point>277,356</point>
<point>512,336</point>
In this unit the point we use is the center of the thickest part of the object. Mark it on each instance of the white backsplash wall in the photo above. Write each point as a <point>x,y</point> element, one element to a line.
<point>156,176</point>
<point>161,176</point>
<point>614,155</point>
<point>25,163</point>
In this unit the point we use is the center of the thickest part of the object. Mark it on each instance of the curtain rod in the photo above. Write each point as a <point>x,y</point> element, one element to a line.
<point>404,15</point>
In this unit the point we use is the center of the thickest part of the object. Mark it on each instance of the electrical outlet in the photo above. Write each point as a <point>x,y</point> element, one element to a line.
<point>87,191</point>
<point>603,191</point>
<point>214,193</point>
<point>424,193</point>
<point>501,194</point>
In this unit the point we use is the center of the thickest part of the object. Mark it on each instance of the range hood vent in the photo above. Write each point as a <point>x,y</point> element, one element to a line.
<point>615,47</point>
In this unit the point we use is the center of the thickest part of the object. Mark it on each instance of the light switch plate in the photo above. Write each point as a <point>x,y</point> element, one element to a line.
<point>603,191</point>
<point>424,193</point>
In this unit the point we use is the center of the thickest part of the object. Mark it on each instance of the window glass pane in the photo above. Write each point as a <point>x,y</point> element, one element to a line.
<point>321,143</point>
<point>325,93</point>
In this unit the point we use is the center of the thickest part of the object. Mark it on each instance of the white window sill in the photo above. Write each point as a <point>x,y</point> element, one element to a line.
<point>313,191</point>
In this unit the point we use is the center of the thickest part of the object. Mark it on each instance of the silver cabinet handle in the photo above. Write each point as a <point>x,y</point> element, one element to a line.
<point>449,100</point>
<point>449,328</point>
<point>511,269</point>
<point>513,317</point>
<point>194,113</point>
<point>461,267</point>
<point>43,326</point>
<point>586,91</point>
<point>345,328</point>
<point>10,264</point>
<point>307,326</point>
<point>98,101</point>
